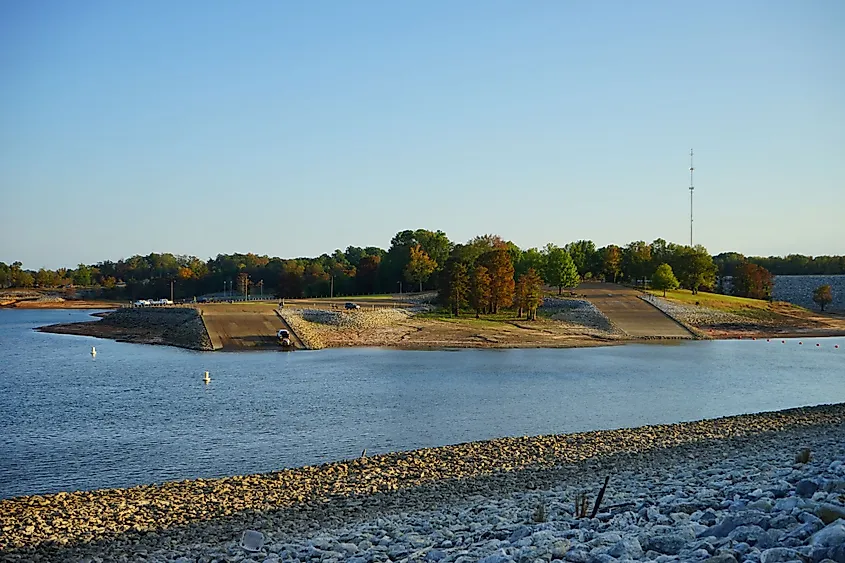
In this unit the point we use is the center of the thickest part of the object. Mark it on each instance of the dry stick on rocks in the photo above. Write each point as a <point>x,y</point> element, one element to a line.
<point>580,505</point>
<point>600,497</point>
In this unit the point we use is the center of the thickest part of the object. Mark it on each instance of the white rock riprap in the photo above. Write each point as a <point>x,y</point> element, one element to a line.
<point>695,315</point>
<point>356,319</point>
<point>579,312</point>
<point>306,332</point>
<point>309,324</point>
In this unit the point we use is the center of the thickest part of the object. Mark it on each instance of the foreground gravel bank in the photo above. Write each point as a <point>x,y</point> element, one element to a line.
<point>669,486</point>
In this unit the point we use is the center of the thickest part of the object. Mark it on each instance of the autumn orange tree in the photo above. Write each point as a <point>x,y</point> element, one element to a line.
<point>751,280</point>
<point>499,265</point>
<point>533,292</point>
<point>420,266</point>
<point>480,290</point>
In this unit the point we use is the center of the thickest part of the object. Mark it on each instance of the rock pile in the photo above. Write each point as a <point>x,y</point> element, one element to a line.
<point>305,330</point>
<point>579,311</point>
<point>308,323</point>
<point>357,319</point>
<point>719,490</point>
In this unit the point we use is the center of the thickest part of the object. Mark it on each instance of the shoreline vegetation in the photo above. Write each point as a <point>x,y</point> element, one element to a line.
<point>292,507</point>
<point>597,314</point>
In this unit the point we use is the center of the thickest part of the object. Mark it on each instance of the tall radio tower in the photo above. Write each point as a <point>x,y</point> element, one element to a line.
<point>691,189</point>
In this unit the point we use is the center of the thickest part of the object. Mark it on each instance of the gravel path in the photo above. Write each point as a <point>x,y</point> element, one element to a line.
<point>725,488</point>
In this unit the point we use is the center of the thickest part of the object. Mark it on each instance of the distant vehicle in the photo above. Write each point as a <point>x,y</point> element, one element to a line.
<point>141,303</point>
<point>352,306</point>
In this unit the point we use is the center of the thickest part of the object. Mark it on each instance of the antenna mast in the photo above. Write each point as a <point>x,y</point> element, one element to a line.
<point>691,188</point>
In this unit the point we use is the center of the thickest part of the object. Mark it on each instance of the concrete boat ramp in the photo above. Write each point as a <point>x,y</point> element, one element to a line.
<point>628,312</point>
<point>247,326</point>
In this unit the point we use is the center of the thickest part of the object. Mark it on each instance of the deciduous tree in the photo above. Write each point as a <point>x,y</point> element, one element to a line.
<point>500,267</point>
<point>664,279</point>
<point>420,266</point>
<point>454,286</point>
<point>82,275</point>
<point>694,268</point>
<point>751,280</point>
<point>612,261</point>
<point>822,295</point>
<point>243,283</point>
<point>480,290</point>
<point>533,293</point>
<point>520,296</point>
<point>560,270</point>
<point>636,260</point>
<point>582,253</point>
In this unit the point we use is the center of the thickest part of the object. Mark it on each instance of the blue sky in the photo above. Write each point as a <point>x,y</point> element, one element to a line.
<point>293,129</point>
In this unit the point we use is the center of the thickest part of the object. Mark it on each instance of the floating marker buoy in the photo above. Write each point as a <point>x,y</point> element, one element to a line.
<point>207,379</point>
<point>93,351</point>
<point>818,344</point>
<point>800,343</point>
<point>836,346</point>
<point>783,341</point>
<point>768,340</point>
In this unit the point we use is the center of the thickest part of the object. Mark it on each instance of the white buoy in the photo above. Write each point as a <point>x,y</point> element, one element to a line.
<point>93,351</point>
<point>207,379</point>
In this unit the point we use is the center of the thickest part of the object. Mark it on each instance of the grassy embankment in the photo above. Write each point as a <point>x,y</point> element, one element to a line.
<point>752,309</point>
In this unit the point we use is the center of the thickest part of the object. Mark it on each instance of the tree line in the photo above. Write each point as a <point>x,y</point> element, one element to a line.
<point>415,260</point>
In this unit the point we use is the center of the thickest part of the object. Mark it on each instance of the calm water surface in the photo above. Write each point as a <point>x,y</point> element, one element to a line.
<point>140,414</point>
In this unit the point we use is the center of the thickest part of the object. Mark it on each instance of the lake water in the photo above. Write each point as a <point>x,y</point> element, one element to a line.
<point>139,414</point>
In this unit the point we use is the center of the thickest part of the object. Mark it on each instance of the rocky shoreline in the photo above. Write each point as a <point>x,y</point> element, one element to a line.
<point>725,489</point>
<point>178,326</point>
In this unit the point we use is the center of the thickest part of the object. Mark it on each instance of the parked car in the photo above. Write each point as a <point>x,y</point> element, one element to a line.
<point>141,303</point>
<point>352,306</point>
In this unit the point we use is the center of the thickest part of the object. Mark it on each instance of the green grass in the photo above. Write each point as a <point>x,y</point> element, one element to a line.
<point>756,309</point>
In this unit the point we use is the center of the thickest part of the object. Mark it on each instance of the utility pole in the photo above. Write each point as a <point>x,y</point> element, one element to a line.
<point>691,189</point>
<point>171,289</point>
